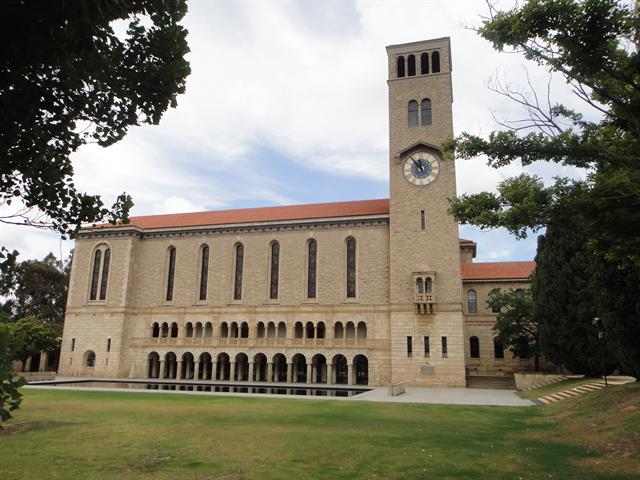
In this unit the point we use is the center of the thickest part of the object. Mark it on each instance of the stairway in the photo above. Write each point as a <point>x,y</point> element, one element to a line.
<point>491,382</point>
<point>579,390</point>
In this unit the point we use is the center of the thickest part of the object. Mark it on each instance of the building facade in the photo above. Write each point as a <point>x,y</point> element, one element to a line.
<point>365,292</point>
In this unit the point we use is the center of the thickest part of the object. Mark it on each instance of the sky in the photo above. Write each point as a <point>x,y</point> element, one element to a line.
<point>287,104</point>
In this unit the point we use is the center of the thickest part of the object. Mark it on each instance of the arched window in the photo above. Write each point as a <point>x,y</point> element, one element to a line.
<point>165,330</point>
<point>260,330</point>
<point>171,273</point>
<point>208,330</point>
<point>105,274</point>
<point>237,289</point>
<point>411,60</point>
<point>174,330</point>
<point>198,332</point>
<point>312,258</point>
<point>425,111</point>
<point>400,66</point>
<point>310,330</point>
<point>91,359</point>
<point>424,63</point>
<point>155,330</point>
<point>95,275</point>
<point>362,330</point>
<point>474,347</point>
<point>498,348</point>
<point>338,330</point>
<point>271,330</point>
<point>234,331</point>
<point>188,330</point>
<point>472,302</point>
<point>224,330</point>
<point>351,268</point>
<point>435,62</point>
<point>428,285</point>
<point>320,330</point>
<point>282,330</point>
<point>420,285</point>
<point>298,330</point>
<point>275,267</point>
<point>204,272</point>
<point>244,330</point>
<point>413,113</point>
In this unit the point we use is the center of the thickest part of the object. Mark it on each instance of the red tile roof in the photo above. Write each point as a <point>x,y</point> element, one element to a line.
<point>497,270</point>
<point>264,214</point>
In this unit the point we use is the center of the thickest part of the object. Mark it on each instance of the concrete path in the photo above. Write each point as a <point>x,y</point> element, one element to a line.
<point>446,396</point>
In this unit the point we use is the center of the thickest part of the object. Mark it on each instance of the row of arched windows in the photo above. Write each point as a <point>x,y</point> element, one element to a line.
<point>425,117</point>
<point>307,330</point>
<point>100,273</point>
<point>474,348</point>
<point>274,270</point>
<point>407,67</point>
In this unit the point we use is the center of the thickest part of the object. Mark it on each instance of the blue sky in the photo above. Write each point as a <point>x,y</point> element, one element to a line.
<point>287,103</point>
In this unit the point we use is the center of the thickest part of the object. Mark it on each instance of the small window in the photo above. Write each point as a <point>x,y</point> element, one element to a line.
<point>435,62</point>
<point>498,348</point>
<point>73,344</point>
<point>91,359</point>
<point>409,347</point>
<point>424,63</point>
<point>423,221</point>
<point>474,347</point>
<point>204,272</point>
<point>425,111</point>
<point>413,113</point>
<point>445,351</point>
<point>472,302</point>
<point>312,258</point>
<point>171,273</point>
<point>495,309</point>
<point>411,60</point>
<point>428,285</point>
<point>155,330</point>
<point>420,285</point>
<point>275,267</point>
<point>174,330</point>
<point>237,288</point>
<point>351,268</point>
<point>400,66</point>
<point>427,350</point>
<point>108,344</point>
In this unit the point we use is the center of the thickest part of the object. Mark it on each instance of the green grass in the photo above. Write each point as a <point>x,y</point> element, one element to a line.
<point>96,435</point>
<point>556,387</point>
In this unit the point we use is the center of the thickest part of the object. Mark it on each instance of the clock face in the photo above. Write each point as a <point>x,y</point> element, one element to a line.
<point>421,168</point>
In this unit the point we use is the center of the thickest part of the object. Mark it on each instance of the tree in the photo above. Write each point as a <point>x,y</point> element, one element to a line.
<point>10,396</point>
<point>36,288</point>
<point>516,327</point>
<point>32,337</point>
<point>67,79</point>
<point>594,44</point>
<point>565,301</point>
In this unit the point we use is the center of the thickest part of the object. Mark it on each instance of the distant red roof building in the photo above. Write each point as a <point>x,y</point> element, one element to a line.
<point>497,270</point>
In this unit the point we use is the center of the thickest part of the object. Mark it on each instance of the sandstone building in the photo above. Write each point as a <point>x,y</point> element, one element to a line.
<point>362,292</point>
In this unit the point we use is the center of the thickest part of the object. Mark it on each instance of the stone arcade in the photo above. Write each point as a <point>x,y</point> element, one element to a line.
<point>364,292</point>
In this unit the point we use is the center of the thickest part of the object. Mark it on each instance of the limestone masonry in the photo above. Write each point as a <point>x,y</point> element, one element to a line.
<point>367,292</point>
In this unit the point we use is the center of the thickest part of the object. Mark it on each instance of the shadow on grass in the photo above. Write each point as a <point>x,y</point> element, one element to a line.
<point>18,428</point>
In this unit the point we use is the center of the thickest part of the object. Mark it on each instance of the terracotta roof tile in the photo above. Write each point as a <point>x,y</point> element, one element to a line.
<point>497,270</point>
<point>264,214</point>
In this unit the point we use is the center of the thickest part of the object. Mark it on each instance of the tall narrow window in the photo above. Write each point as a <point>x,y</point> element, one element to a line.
<point>427,351</point>
<point>435,62</point>
<point>424,63</point>
<point>105,274</point>
<point>445,351</point>
<point>428,285</point>
<point>474,347</point>
<point>95,276</point>
<point>411,60</point>
<point>409,347</point>
<point>108,344</point>
<point>171,273</point>
<point>472,302</point>
<point>351,268</point>
<point>400,66</point>
<point>413,113</point>
<point>423,221</point>
<point>73,344</point>
<point>425,110</point>
<point>275,267</point>
<point>204,272</point>
<point>498,348</point>
<point>311,268</point>
<point>237,288</point>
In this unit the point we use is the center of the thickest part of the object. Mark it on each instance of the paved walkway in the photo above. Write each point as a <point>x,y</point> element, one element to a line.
<point>447,396</point>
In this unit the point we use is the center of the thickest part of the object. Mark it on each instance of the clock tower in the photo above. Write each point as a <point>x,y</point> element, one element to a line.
<point>425,289</point>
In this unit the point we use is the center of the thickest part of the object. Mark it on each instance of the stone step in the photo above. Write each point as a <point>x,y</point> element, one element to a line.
<point>547,399</point>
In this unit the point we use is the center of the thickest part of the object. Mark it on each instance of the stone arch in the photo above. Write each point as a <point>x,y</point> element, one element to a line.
<point>350,330</point>
<point>164,330</point>
<point>224,366</point>
<point>279,367</point>
<point>338,330</point>
<point>321,330</point>
<point>233,330</point>
<point>400,67</point>
<point>188,330</point>
<point>319,369</point>
<point>242,367</point>
<point>474,347</point>
<point>174,330</point>
<point>309,330</point>
<point>271,330</point>
<point>259,367</point>
<point>361,367</point>
<point>170,365</point>
<point>298,330</point>
<point>411,65</point>
<point>244,330</point>
<point>362,330</point>
<point>89,359</point>
<point>155,330</point>
<point>198,330</point>
<point>208,330</point>
<point>153,365</point>
<point>260,331</point>
<point>205,370</point>
<point>340,369</point>
<point>282,330</point>
<point>224,330</point>
<point>299,365</point>
<point>187,367</point>
<point>424,63</point>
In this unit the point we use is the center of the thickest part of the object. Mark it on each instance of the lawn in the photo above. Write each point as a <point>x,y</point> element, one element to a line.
<point>96,435</point>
